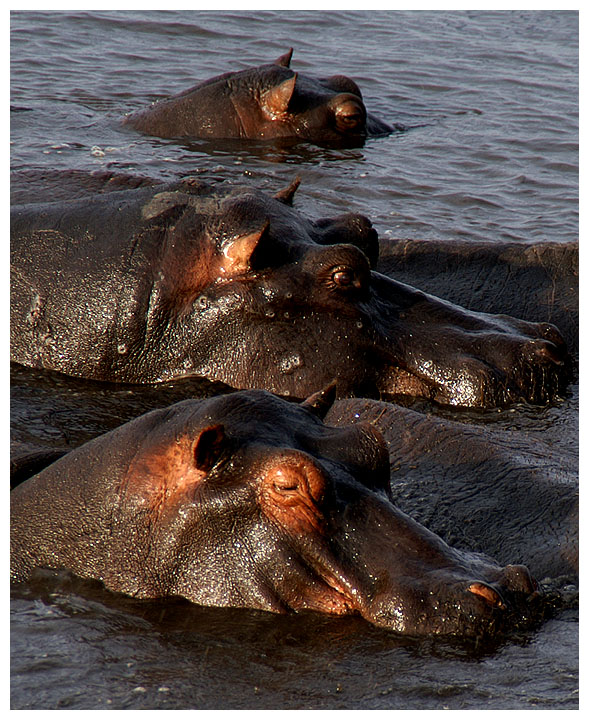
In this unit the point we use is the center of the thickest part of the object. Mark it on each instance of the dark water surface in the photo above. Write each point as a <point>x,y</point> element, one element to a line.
<point>492,155</point>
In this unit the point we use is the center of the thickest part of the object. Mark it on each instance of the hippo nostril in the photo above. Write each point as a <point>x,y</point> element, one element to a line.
<point>549,332</point>
<point>518,579</point>
<point>548,351</point>
<point>489,594</point>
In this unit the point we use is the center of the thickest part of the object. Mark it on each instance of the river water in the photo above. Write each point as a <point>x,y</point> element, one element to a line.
<point>491,155</point>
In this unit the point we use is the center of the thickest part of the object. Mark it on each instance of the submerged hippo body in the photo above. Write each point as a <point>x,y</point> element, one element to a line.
<point>247,500</point>
<point>488,488</point>
<point>262,103</point>
<point>227,283</point>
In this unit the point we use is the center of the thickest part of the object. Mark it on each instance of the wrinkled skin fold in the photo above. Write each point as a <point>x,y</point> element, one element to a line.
<point>249,501</point>
<point>268,102</point>
<point>228,283</point>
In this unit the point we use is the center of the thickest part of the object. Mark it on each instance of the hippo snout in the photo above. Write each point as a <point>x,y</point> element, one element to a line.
<point>412,582</point>
<point>515,584</point>
<point>518,579</point>
<point>466,608</point>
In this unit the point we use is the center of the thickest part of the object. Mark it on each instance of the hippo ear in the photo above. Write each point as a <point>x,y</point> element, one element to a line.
<point>286,195</point>
<point>238,254</point>
<point>208,447</point>
<point>274,102</point>
<point>342,84</point>
<point>320,402</point>
<point>285,59</point>
<point>363,448</point>
<point>165,205</point>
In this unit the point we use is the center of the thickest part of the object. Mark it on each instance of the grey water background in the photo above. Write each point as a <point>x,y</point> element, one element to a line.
<point>491,100</point>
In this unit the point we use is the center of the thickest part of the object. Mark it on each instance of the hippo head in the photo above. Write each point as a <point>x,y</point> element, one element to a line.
<point>286,304</point>
<point>328,111</point>
<point>247,500</point>
<point>266,103</point>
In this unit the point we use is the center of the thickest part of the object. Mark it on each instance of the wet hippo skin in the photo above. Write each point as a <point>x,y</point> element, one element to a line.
<point>225,282</point>
<point>247,500</point>
<point>535,282</point>
<point>264,103</point>
<point>510,493</point>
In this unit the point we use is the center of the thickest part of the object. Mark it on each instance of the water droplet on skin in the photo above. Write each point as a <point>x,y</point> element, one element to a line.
<point>290,363</point>
<point>359,324</point>
<point>270,313</point>
<point>202,302</point>
<point>122,348</point>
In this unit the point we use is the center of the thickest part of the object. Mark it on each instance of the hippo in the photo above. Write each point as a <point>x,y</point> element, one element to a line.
<point>509,493</point>
<point>248,500</point>
<point>268,102</point>
<point>224,282</point>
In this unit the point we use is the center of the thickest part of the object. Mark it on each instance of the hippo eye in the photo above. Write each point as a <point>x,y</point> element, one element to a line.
<point>344,277</point>
<point>287,487</point>
<point>350,120</point>
<point>349,116</point>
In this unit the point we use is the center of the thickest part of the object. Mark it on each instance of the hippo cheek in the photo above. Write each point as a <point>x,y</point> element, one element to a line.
<point>297,355</point>
<point>292,494</point>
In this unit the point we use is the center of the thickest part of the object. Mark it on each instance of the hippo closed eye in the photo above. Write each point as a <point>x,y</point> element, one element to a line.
<point>262,103</point>
<point>250,501</point>
<point>227,283</point>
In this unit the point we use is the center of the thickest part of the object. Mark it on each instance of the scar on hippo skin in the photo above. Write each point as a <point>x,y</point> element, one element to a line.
<point>247,500</point>
<point>264,103</point>
<point>228,283</point>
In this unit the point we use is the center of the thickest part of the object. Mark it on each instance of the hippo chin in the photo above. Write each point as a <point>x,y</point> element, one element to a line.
<point>250,501</point>
<point>263,103</point>
<point>225,282</point>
